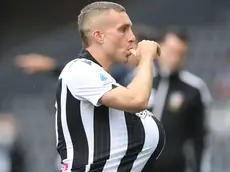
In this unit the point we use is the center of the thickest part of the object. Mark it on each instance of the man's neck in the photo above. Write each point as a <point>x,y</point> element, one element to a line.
<point>100,57</point>
<point>164,71</point>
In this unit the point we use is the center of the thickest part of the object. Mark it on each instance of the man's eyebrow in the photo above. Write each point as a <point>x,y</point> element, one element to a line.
<point>125,25</point>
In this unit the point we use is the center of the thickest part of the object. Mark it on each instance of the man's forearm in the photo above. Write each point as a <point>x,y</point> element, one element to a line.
<point>142,82</point>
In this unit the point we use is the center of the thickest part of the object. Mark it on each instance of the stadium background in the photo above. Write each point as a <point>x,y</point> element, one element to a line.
<point>49,27</point>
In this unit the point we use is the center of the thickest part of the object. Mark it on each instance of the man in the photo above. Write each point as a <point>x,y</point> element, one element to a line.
<point>179,100</point>
<point>100,125</point>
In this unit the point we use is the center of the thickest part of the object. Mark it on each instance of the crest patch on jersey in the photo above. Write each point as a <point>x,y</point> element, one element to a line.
<point>103,77</point>
<point>176,100</point>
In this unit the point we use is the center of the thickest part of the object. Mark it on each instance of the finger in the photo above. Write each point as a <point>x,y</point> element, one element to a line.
<point>134,53</point>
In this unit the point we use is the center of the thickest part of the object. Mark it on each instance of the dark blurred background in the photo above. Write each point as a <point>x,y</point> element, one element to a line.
<point>49,27</point>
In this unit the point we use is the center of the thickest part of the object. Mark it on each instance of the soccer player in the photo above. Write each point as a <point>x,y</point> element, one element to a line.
<point>100,125</point>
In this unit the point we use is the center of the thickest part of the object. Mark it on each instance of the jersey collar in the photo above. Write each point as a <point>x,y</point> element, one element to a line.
<point>85,54</point>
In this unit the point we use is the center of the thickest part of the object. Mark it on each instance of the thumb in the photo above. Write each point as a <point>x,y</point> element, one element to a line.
<point>134,53</point>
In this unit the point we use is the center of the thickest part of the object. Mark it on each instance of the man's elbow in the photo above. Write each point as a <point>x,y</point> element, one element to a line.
<point>140,104</point>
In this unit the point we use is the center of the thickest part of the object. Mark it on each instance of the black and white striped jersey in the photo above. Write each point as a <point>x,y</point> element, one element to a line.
<point>93,137</point>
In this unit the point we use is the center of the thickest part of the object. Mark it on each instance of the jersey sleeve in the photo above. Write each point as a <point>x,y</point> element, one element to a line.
<point>86,82</point>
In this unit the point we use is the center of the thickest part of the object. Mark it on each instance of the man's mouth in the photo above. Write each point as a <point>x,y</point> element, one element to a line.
<point>128,54</point>
<point>129,48</point>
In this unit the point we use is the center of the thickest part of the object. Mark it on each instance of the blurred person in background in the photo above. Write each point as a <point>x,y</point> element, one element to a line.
<point>11,153</point>
<point>180,100</point>
<point>33,63</point>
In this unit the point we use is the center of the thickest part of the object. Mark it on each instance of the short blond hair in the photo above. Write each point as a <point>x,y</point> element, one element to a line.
<point>94,8</point>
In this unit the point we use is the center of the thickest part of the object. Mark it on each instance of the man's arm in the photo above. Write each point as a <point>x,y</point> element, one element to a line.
<point>84,82</point>
<point>36,63</point>
<point>135,96</point>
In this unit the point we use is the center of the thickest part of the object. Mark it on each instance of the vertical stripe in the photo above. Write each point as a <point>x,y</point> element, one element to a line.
<point>119,139</point>
<point>77,133</point>
<point>136,139</point>
<point>61,146</point>
<point>160,142</point>
<point>161,95</point>
<point>151,141</point>
<point>101,138</point>
<point>162,139</point>
<point>87,110</point>
<point>56,125</point>
<point>69,145</point>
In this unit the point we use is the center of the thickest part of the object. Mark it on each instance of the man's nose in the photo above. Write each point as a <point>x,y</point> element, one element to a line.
<point>132,37</point>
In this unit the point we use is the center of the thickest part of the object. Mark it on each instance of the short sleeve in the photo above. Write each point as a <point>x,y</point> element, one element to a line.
<point>87,82</point>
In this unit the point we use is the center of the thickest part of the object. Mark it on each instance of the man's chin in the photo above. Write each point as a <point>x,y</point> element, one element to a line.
<point>126,59</point>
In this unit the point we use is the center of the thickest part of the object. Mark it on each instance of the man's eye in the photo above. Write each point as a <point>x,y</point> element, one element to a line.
<point>123,29</point>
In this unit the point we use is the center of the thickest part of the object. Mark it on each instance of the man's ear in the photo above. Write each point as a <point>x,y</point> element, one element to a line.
<point>98,36</point>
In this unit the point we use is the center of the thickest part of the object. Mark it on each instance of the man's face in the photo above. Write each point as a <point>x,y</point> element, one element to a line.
<point>118,37</point>
<point>173,52</point>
